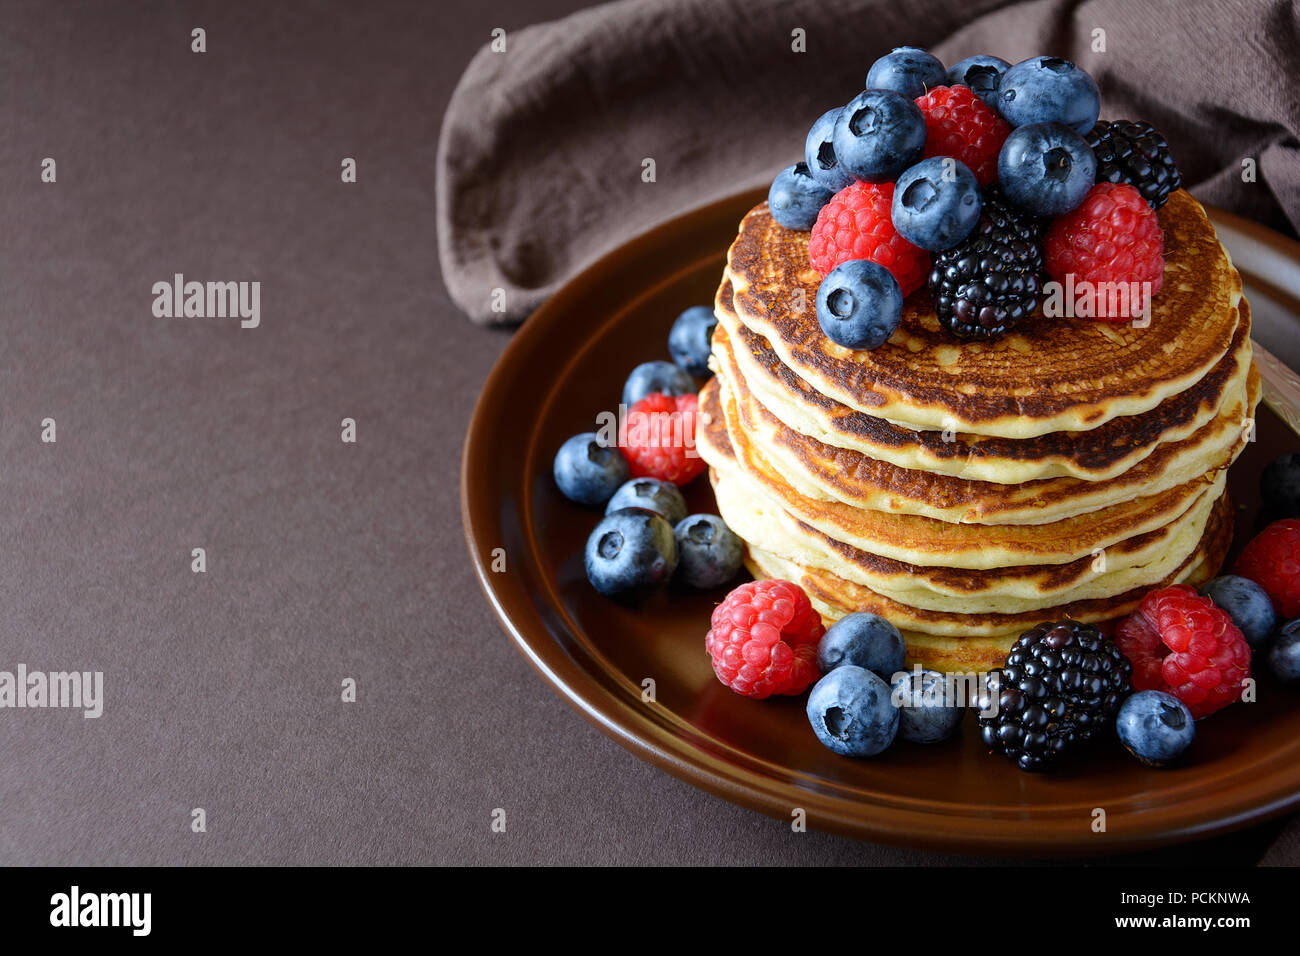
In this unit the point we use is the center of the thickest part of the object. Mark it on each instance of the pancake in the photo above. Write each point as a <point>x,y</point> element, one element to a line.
<point>819,471</point>
<point>762,519</point>
<point>841,596</point>
<point>964,643</point>
<point>924,379</point>
<point>1094,455</point>
<point>928,541</point>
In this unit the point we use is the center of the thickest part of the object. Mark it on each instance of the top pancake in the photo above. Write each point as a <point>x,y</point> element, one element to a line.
<point>1050,375</point>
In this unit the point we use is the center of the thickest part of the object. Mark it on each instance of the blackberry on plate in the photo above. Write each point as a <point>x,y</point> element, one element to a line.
<point>993,278</point>
<point>1062,682</point>
<point>1137,154</point>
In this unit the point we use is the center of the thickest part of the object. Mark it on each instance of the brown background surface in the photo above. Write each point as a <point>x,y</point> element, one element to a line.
<point>325,560</point>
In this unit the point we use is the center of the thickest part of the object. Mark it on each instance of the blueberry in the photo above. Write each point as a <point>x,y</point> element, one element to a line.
<point>1279,486</point>
<point>630,551</point>
<point>1046,168</point>
<point>1247,604</point>
<point>661,497</point>
<point>708,552</point>
<point>878,135</point>
<point>1047,89</point>
<point>587,471</point>
<point>1155,727</point>
<point>859,304</point>
<point>927,706</point>
<point>651,377</point>
<point>691,340</point>
<point>851,712</point>
<point>908,70</point>
<point>862,640</point>
<point>982,74</point>
<point>796,198</point>
<point>819,154</point>
<point>1284,657</point>
<point>936,203</point>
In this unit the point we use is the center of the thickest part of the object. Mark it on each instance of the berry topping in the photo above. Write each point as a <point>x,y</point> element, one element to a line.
<point>659,438</point>
<point>1155,727</point>
<point>1047,89</point>
<point>852,712</point>
<point>959,124</point>
<point>878,135</point>
<point>795,198</point>
<point>857,224</point>
<point>936,203</point>
<point>1046,169</point>
<point>763,639</point>
<point>859,304</point>
<point>587,471</point>
<point>710,553</point>
<point>1247,604</point>
<point>1284,655</point>
<point>1113,243</point>
<point>981,74</point>
<point>864,639</point>
<point>1180,643</point>
<point>661,497</point>
<point>690,341</point>
<point>663,377</point>
<point>1135,153</point>
<point>1061,684</point>
<point>907,70</point>
<point>1272,560</point>
<point>630,551</point>
<point>930,708</point>
<point>992,279</point>
<point>819,153</point>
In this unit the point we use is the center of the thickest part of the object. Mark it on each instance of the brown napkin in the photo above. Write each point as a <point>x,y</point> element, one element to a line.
<point>542,160</point>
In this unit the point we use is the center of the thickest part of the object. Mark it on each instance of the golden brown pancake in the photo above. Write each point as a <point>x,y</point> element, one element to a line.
<point>821,471</point>
<point>762,518</point>
<point>974,642</point>
<point>928,541</point>
<point>1062,374</point>
<point>1093,455</point>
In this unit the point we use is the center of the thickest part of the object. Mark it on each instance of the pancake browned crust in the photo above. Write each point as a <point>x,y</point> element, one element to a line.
<point>928,541</point>
<point>1052,375</point>
<point>1094,455</point>
<point>819,470</point>
<point>1000,588</point>
<point>957,642</point>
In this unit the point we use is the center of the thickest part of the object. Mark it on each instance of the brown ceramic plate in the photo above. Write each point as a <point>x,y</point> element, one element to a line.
<point>566,364</point>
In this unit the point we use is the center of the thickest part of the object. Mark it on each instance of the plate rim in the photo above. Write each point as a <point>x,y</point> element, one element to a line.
<point>633,727</point>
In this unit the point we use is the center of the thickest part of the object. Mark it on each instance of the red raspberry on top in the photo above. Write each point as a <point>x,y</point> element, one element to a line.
<point>1180,643</point>
<point>1272,560</point>
<point>658,438</point>
<point>856,224</point>
<point>764,639</point>
<point>961,125</point>
<point>1112,237</point>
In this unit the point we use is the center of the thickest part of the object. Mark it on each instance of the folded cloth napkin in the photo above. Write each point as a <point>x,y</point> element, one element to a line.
<point>544,162</point>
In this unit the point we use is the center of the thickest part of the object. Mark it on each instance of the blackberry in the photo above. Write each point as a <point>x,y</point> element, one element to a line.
<point>993,278</point>
<point>1137,154</point>
<point>1060,685</point>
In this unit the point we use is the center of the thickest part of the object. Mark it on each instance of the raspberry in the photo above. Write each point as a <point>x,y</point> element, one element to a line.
<point>961,125</point>
<point>1272,560</point>
<point>1113,236</point>
<point>857,224</point>
<point>658,438</point>
<point>1180,643</point>
<point>763,639</point>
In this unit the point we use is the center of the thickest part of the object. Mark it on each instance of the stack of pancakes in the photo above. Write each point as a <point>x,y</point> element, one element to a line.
<point>967,491</point>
